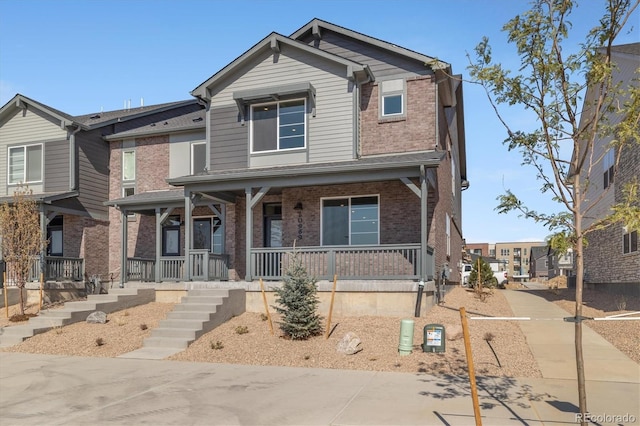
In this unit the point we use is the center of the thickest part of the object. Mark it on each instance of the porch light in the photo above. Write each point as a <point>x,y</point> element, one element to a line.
<point>298,206</point>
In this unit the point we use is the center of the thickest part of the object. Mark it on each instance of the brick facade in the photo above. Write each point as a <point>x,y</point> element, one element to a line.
<point>413,132</point>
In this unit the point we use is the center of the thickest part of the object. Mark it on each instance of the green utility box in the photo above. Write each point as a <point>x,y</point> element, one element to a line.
<point>434,338</point>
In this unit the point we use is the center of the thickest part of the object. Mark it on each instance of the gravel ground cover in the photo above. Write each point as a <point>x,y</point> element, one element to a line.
<point>499,347</point>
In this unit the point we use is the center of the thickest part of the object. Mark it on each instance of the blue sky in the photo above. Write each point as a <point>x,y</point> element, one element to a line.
<point>93,55</point>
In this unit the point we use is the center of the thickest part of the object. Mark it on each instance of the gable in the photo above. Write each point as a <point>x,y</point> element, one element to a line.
<point>29,125</point>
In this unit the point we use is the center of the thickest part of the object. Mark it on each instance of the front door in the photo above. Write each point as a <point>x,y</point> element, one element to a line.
<point>273,237</point>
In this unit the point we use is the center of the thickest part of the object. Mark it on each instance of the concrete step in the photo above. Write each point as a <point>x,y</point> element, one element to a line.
<point>194,307</point>
<point>209,293</point>
<point>181,323</point>
<point>77,311</point>
<point>167,342</point>
<point>188,315</point>
<point>198,313</point>
<point>184,333</point>
<point>202,300</point>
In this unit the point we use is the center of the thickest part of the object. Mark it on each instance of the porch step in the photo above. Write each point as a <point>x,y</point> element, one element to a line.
<point>73,312</point>
<point>197,313</point>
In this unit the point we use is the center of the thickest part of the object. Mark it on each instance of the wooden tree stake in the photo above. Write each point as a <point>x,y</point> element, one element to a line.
<point>472,374</point>
<point>266,306</point>
<point>333,293</point>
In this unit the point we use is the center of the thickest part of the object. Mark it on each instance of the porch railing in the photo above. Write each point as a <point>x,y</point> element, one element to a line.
<point>381,262</point>
<point>205,266</point>
<point>55,268</point>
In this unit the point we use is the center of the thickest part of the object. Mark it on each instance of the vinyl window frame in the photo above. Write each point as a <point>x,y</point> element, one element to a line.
<point>279,138</point>
<point>349,199</point>
<point>25,167</point>
<point>193,157</point>
<point>391,89</point>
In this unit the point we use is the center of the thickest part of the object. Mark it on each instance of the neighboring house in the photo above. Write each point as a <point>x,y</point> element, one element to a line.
<point>611,257</point>
<point>560,265</point>
<point>516,256</point>
<point>341,147</point>
<point>480,249</point>
<point>538,263</point>
<point>64,160</point>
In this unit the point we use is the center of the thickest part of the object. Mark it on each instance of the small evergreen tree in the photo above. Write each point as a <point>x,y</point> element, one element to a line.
<point>298,302</point>
<point>486,275</point>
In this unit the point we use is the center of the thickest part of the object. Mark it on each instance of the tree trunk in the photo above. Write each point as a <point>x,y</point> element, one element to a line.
<point>582,392</point>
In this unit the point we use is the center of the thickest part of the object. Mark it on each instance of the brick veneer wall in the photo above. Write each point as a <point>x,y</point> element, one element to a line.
<point>414,132</point>
<point>604,261</point>
<point>152,168</point>
<point>88,239</point>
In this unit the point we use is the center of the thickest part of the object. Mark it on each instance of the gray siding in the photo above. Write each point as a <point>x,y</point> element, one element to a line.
<point>330,132</point>
<point>382,62</point>
<point>229,139</point>
<point>93,172</point>
<point>25,127</point>
<point>56,166</point>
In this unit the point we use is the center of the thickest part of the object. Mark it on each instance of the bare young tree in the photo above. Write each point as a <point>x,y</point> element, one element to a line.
<point>550,84</point>
<point>21,237</point>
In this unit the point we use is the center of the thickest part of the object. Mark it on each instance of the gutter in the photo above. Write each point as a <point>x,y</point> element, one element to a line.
<point>73,184</point>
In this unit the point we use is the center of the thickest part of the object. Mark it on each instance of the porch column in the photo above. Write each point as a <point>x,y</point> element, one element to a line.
<point>158,243</point>
<point>43,233</point>
<point>423,224</point>
<point>248,233</point>
<point>251,201</point>
<point>187,234</point>
<point>221,213</point>
<point>123,249</point>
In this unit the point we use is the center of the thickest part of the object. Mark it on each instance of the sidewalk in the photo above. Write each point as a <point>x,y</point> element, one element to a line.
<point>552,343</point>
<point>59,390</point>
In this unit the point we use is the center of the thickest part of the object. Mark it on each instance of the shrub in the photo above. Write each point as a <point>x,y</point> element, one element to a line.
<point>217,345</point>
<point>298,300</point>
<point>241,329</point>
<point>99,341</point>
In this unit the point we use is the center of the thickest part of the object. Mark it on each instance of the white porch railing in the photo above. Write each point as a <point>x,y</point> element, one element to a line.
<point>401,261</point>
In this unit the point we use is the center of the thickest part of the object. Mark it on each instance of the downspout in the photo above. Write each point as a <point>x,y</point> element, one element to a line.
<point>73,184</point>
<point>356,114</point>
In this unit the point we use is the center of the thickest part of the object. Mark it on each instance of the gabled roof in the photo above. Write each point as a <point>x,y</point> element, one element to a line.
<point>630,49</point>
<point>316,25</point>
<point>538,252</point>
<point>273,41</point>
<point>20,102</point>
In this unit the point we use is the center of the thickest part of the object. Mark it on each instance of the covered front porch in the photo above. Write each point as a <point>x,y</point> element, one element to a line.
<point>345,219</point>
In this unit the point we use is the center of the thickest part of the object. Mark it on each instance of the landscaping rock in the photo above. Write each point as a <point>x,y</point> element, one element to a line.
<point>349,344</point>
<point>97,317</point>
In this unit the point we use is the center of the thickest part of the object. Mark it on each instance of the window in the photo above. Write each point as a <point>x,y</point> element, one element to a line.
<point>630,242</point>
<point>350,221</point>
<point>607,163</point>
<point>278,126</point>
<point>392,98</point>
<point>25,164</point>
<point>128,165</point>
<point>504,252</point>
<point>198,157</point>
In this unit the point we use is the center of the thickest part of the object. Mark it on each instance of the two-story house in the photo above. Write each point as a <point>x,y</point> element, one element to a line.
<point>64,161</point>
<point>612,258</point>
<point>342,148</point>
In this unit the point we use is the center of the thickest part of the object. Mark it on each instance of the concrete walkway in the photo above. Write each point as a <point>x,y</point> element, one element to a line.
<point>552,342</point>
<point>59,390</point>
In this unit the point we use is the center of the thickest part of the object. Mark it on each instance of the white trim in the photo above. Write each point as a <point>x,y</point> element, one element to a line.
<point>349,197</point>
<point>125,151</point>
<point>278,149</point>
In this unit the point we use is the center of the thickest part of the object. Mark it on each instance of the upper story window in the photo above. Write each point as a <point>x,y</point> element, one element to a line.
<point>25,164</point>
<point>128,165</point>
<point>392,98</point>
<point>607,164</point>
<point>504,252</point>
<point>630,242</point>
<point>350,221</point>
<point>198,157</point>
<point>278,126</point>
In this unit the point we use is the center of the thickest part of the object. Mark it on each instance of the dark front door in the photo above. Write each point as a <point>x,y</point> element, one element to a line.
<point>273,238</point>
